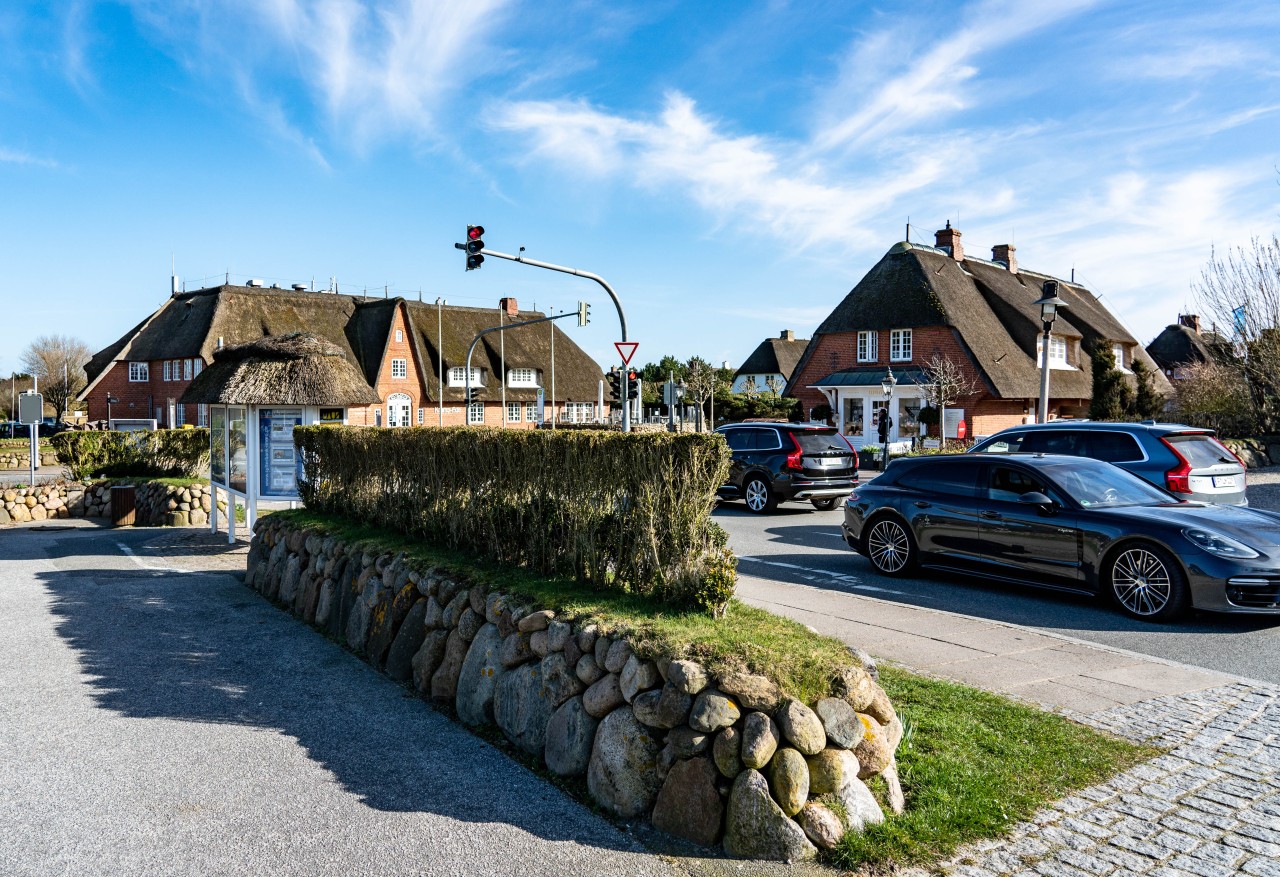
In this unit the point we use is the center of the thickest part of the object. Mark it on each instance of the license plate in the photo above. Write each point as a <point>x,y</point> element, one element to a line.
<point>1225,481</point>
<point>832,462</point>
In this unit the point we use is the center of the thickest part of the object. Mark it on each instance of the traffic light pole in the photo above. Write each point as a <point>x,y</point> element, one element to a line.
<point>503,328</point>
<point>622,318</point>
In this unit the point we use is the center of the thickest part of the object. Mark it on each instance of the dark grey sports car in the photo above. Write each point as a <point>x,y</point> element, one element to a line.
<point>1069,523</point>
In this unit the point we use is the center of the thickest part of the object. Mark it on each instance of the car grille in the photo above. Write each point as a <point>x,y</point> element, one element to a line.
<point>1254,593</point>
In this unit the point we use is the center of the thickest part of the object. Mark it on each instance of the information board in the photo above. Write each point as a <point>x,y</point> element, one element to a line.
<point>281,464</point>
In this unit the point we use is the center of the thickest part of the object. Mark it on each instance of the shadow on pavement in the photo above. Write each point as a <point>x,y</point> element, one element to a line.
<point>203,648</point>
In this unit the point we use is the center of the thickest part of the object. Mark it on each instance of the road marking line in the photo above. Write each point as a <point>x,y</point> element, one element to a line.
<point>848,580</point>
<point>142,563</point>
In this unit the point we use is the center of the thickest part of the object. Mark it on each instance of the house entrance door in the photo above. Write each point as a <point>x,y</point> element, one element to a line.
<point>398,410</point>
<point>879,409</point>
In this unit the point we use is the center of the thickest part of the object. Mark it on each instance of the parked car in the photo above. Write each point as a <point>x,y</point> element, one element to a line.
<point>1069,523</point>
<point>788,462</point>
<point>11,429</point>
<point>1187,461</point>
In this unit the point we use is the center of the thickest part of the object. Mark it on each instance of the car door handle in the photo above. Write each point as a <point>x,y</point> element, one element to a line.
<point>991,516</point>
<point>921,504</point>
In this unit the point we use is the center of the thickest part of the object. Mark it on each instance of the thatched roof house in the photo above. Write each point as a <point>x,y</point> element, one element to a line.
<point>1184,344</point>
<point>773,358</point>
<point>395,345</point>
<point>919,301</point>
<point>296,369</point>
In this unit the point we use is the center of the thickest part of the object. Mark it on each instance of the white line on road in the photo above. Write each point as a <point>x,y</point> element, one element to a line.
<point>847,580</point>
<point>142,563</point>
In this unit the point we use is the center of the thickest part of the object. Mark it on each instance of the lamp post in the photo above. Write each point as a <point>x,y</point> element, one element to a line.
<point>886,386</point>
<point>1049,306</point>
<point>111,400</point>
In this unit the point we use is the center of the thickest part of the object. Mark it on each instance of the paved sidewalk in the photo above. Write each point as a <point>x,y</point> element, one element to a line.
<point>1210,807</point>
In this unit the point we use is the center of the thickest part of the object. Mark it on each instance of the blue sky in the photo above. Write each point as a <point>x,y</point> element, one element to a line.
<point>733,169</point>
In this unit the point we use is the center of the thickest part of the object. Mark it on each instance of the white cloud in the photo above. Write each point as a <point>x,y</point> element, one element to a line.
<point>13,156</point>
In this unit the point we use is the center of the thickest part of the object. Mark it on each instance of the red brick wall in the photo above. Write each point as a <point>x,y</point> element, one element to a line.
<point>139,399</point>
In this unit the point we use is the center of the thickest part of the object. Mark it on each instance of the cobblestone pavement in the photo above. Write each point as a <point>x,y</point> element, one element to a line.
<point>1210,807</point>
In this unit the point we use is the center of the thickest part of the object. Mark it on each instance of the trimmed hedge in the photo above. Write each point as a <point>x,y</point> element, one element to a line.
<point>164,453</point>
<point>628,512</point>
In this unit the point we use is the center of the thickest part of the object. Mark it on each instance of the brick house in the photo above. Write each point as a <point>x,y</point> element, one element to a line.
<point>773,360</point>
<point>920,301</point>
<point>411,353</point>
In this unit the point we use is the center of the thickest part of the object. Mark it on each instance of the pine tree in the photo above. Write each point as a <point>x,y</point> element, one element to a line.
<point>1147,401</point>
<point>1112,395</point>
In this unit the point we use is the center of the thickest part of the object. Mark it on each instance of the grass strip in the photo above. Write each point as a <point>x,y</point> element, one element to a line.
<point>972,763</point>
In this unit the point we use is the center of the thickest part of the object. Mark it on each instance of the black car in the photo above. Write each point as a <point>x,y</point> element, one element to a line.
<point>1070,523</point>
<point>782,462</point>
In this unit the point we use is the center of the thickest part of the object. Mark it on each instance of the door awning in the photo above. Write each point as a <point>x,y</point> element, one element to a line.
<point>871,376</point>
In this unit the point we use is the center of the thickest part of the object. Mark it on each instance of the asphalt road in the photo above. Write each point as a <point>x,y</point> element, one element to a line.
<point>157,718</point>
<point>802,546</point>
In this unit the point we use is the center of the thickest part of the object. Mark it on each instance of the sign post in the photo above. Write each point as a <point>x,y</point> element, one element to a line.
<point>30,412</point>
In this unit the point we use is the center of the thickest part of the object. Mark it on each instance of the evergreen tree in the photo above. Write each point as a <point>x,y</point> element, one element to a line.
<point>1147,401</point>
<point>1112,395</point>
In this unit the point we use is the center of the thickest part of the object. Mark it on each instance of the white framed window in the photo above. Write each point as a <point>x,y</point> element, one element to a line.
<point>399,336</point>
<point>399,368</point>
<point>458,377</point>
<point>168,370</point>
<point>530,412</point>
<point>1117,350</point>
<point>579,412</point>
<point>475,412</point>
<point>186,369</point>
<point>179,415</point>
<point>522,377</point>
<point>900,345</point>
<point>868,346</point>
<point>197,366</point>
<point>1057,352</point>
<point>513,412</point>
<point>202,413</point>
<point>422,416</point>
<point>139,371</point>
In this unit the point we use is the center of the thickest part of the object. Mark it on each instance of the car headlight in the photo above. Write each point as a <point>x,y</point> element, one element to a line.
<point>1215,543</point>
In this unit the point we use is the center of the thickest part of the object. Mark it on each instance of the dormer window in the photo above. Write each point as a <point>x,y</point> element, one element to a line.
<point>522,377</point>
<point>1117,350</point>
<point>1057,352</point>
<point>458,377</point>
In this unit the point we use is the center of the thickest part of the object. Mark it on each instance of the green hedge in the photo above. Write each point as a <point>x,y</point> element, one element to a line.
<point>165,453</point>
<point>629,512</point>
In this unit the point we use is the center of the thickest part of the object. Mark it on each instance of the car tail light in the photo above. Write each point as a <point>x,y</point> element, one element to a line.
<point>795,459</point>
<point>852,450</point>
<point>1177,479</point>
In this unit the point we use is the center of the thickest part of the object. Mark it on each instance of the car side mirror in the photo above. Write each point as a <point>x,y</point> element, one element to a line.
<point>1036,498</point>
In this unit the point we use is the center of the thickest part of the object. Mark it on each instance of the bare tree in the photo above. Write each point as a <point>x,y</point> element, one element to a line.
<point>701,381</point>
<point>1215,395</point>
<point>1241,289</point>
<point>749,387</point>
<point>775,384</point>
<point>57,362</point>
<point>945,383</point>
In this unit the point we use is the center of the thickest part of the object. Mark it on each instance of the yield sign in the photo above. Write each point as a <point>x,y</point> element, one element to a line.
<point>626,349</point>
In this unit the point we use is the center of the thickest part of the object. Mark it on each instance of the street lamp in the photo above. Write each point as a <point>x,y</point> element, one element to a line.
<point>886,385</point>
<point>1049,304</point>
<point>111,400</point>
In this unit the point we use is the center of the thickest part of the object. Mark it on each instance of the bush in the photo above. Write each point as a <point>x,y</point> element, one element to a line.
<point>165,453</point>
<point>628,512</point>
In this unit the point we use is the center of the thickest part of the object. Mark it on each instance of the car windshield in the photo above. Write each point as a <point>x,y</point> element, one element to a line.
<point>1097,485</point>
<point>1201,451</point>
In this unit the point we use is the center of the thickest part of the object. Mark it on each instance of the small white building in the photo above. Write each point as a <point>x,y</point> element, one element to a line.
<point>770,365</point>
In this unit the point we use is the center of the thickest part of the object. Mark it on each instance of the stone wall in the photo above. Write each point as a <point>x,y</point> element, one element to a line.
<point>726,760</point>
<point>20,459</point>
<point>158,504</point>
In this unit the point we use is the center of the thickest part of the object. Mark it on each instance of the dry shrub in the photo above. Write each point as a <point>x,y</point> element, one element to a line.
<point>629,512</point>
<point>164,453</point>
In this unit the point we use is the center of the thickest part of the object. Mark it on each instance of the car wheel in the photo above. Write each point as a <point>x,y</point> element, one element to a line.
<point>825,504</point>
<point>1147,583</point>
<point>759,497</point>
<point>889,547</point>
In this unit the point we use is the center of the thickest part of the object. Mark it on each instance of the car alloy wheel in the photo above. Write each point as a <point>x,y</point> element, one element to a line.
<point>889,547</point>
<point>756,493</point>
<point>1147,584</point>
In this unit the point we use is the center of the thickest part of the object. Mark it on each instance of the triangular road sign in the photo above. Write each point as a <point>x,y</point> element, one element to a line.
<point>626,349</point>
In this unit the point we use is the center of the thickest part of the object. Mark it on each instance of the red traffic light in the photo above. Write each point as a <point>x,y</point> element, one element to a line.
<point>475,232</point>
<point>631,375</point>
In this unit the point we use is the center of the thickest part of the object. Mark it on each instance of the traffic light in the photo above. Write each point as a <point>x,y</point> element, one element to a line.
<point>473,395</point>
<point>584,313</point>
<point>473,246</point>
<point>614,377</point>
<point>633,385</point>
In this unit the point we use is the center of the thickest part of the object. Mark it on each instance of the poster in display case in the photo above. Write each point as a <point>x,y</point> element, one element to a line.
<point>281,464</point>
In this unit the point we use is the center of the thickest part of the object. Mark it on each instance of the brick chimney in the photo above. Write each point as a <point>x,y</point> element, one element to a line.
<point>1005,253</point>
<point>788,335</point>
<point>509,305</point>
<point>949,239</point>
<point>1191,321</point>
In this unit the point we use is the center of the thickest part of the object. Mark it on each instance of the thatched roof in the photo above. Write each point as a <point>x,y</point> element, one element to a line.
<point>1181,345</point>
<point>192,324</point>
<point>774,356</point>
<point>991,310</point>
<point>295,369</point>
